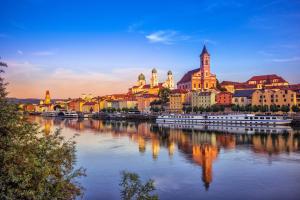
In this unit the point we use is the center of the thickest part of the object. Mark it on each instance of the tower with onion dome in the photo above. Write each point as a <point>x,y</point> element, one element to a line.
<point>154,78</point>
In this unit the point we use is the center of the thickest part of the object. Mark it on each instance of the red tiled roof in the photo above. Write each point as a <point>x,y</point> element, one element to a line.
<point>149,96</point>
<point>146,86</point>
<point>89,103</point>
<point>188,76</point>
<point>244,86</point>
<point>268,78</point>
<point>181,91</point>
<point>229,83</point>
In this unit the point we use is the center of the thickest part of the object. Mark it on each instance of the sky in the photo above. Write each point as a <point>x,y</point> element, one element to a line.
<point>100,47</point>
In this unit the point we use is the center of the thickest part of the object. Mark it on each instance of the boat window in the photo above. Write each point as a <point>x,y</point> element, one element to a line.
<point>255,117</point>
<point>273,117</point>
<point>267,117</point>
<point>261,117</point>
<point>246,117</point>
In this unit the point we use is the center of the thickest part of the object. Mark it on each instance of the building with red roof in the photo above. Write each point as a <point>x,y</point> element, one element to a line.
<point>200,78</point>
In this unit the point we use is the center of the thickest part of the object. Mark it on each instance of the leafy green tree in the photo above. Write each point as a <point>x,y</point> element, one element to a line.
<point>255,108</point>
<point>34,165</point>
<point>285,108</point>
<point>295,108</point>
<point>195,109</point>
<point>134,189</point>
<point>215,108</point>
<point>274,108</point>
<point>164,95</point>
<point>189,109</point>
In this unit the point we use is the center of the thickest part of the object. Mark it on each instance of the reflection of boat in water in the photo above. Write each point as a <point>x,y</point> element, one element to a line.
<point>224,119</point>
<point>68,114</point>
<point>244,129</point>
<point>49,114</point>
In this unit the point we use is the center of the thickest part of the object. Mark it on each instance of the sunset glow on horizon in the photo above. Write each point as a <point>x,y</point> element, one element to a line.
<point>100,48</point>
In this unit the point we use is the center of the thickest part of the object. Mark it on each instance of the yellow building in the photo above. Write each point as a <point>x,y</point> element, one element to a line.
<point>154,86</point>
<point>274,97</point>
<point>203,98</point>
<point>178,97</point>
<point>200,78</point>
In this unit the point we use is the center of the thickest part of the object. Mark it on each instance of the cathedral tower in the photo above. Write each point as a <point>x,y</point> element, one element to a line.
<point>154,78</point>
<point>141,80</point>
<point>47,98</point>
<point>170,81</point>
<point>205,63</point>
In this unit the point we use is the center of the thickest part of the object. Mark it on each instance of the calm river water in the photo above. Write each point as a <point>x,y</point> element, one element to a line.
<point>185,162</point>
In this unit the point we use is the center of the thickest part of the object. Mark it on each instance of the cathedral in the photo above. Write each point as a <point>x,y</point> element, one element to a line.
<point>200,78</point>
<point>154,86</point>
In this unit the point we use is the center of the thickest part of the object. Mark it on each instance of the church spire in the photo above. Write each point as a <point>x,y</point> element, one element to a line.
<point>204,51</point>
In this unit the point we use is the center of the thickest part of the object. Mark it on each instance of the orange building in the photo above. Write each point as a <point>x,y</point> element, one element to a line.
<point>177,98</point>
<point>143,102</point>
<point>256,82</point>
<point>224,98</point>
<point>200,78</point>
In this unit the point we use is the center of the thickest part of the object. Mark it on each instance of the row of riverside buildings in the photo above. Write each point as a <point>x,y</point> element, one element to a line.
<point>197,88</point>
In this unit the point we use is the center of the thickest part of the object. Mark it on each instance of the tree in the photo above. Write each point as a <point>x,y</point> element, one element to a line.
<point>164,95</point>
<point>195,109</point>
<point>34,165</point>
<point>255,108</point>
<point>274,108</point>
<point>133,188</point>
<point>285,108</point>
<point>295,108</point>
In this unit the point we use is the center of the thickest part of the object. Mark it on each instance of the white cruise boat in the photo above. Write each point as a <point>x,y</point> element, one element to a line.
<point>249,119</point>
<point>50,114</point>
<point>231,128</point>
<point>70,114</point>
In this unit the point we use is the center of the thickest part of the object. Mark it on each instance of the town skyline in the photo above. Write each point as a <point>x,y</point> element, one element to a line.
<point>100,53</point>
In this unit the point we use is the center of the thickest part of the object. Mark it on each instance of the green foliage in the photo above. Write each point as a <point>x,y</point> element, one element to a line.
<point>34,165</point>
<point>164,95</point>
<point>134,189</point>
<point>285,109</point>
<point>274,108</point>
<point>295,108</point>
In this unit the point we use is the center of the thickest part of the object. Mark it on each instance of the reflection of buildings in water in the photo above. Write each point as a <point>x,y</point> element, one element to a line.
<point>142,144</point>
<point>275,143</point>
<point>204,155</point>
<point>200,147</point>
<point>171,149</point>
<point>155,148</point>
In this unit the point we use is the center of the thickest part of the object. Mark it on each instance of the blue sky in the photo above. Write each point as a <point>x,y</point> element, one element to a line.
<point>100,47</point>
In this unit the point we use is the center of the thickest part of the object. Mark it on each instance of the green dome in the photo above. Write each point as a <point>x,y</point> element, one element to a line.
<point>141,77</point>
<point>154,70</point>
<point>169,72</point>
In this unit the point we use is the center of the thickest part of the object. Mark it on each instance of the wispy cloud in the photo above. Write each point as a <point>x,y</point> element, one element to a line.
<point>135,27</point>
<point>166,37</point>
<point>292,59</point>
<point>20,52</point>
<point>265,53</point>
<point>43,53</point>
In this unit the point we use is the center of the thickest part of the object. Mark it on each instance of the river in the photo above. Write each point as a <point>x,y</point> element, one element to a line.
<point>185,162</point>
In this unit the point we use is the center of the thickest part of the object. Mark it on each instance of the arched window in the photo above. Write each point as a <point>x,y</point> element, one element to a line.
<point>206,61</point>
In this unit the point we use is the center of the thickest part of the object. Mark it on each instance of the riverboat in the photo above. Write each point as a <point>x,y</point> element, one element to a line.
<point>250,119</point>
<point>49,114</point>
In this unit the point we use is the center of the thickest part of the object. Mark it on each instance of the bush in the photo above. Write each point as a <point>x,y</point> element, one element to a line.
<point>295,108</point>
<point>34,165</point>
<point>133,188</point>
